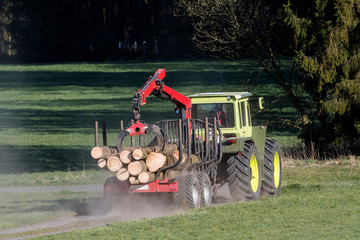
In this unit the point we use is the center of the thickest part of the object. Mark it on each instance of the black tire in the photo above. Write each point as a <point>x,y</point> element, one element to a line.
<point>244,175</point>
<point>188,194</point>
<point>205,189</point>
<point>271,184</point>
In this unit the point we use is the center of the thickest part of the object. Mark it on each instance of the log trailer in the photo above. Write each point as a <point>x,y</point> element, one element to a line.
<point>212,143</point>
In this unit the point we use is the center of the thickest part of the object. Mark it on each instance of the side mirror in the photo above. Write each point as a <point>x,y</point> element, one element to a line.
<point>261,103</point>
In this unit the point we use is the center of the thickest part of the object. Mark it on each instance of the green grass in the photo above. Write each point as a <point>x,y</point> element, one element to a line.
<point>315,203</point>
<point>47,111</point>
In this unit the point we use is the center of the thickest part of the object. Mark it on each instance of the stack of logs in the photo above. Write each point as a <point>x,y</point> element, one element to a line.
<point>139,165</point>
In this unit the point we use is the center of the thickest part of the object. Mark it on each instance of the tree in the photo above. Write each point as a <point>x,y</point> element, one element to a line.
<point>270,31</point>
<point>327,39</point>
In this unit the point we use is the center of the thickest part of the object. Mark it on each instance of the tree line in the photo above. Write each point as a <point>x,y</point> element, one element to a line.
<point>310,48</point>
<point>66,30</point>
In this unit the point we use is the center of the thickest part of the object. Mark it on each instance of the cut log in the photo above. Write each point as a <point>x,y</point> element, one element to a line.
<point>103,152</point>
<point>194,158</point>
<point>101,162</point>
<point>139,153</point>
<point>170,160</point>
<point>136,167</point>
<point>176,155</point>
<point>146,177</point>
<point>114,163</point>
<point>122,174</point>
<point>155,161</point>
<point>133,180</point>
<point>172,174</point>
<point>170,148</point>
<point>125,156</point>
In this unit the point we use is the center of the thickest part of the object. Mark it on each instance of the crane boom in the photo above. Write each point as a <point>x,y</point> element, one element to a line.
<point>155,86</point>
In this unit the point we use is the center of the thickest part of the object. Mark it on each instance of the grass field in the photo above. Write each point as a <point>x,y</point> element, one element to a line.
<point>318,201</point>
<point>47,111</point>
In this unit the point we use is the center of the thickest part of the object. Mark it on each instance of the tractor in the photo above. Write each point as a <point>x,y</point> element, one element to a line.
<point>210,144</point>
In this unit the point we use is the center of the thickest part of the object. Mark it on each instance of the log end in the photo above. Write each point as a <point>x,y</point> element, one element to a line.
<point>122,174</point>
<point>125,156</point>
<point>96,152</point>
<point>114,163</point>
<point>101,163</point>
<point>137,154</point>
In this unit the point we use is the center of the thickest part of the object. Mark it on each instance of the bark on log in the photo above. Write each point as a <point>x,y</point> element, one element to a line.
<point>155,161</point>
<point>125,156</point>
<point>136,167</point>
<point>103,152</point>
<point>143,152</point>
<point>172,174</point>
<point>122,174</point>
<point>101,162</point>
<point>170,148</point>
<point>114,163</point>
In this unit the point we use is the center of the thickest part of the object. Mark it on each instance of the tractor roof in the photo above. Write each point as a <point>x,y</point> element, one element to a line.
<point>237,95</point>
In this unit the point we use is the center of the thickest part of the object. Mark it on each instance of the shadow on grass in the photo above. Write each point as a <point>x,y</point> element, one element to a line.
<point>41,159</point>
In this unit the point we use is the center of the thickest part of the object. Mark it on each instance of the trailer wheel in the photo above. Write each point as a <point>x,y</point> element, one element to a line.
<point>244,174</point>
<point>205,189</point>
<point>272,168</point>
<point>188,194</point>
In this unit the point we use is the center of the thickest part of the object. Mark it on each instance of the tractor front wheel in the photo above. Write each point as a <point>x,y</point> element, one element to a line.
<point>244,176</point>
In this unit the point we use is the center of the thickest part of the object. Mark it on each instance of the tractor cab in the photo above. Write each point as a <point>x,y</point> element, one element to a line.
<point>232,110</point>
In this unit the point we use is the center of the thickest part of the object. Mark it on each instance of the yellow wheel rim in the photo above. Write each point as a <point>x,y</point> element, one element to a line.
<point>276,170</point>
<point>254,174</point>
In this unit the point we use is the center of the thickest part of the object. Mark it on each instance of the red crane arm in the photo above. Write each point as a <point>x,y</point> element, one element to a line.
<point>155,86</point>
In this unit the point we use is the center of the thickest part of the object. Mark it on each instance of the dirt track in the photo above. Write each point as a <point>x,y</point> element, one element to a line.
<point>91,216</point>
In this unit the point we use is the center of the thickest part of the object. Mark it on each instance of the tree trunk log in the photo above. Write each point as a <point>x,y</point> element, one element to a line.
<point>103,152</point>
<point>170,148</point>
<point>114,163</point>
<point>122,174</point>
<point>143,152</point>
<point>101,162</point>
<point>172,174</point>
<point>133,180</point>
<point>126,157</point>
<point>155,161</point>
<point>139,153</point>
<point>176,155</point>
<point>146,177</point>
<point>136,167</point>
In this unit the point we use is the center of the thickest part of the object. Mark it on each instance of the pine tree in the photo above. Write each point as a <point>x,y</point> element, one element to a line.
<point>327,39</point>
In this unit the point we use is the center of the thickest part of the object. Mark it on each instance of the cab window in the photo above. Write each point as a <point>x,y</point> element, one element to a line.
<point>223,112</point>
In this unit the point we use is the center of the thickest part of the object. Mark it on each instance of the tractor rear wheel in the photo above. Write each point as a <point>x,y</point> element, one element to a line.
<point>272,168</point>
<point>188,194</point>
<point>244,174</point>
<point>205,189</point>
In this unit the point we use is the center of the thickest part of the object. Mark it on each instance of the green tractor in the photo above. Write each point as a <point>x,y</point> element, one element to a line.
<point>251,164</point>
<point>213,141</point>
